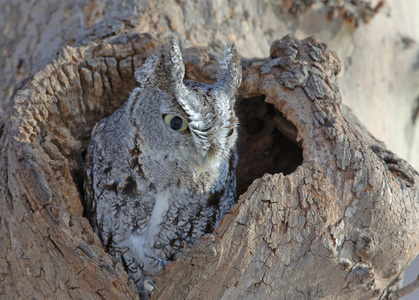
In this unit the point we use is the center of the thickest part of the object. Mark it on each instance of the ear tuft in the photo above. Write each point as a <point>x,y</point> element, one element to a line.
<point>145,72</point>
<point>231,72</point>
<point>163,68</point>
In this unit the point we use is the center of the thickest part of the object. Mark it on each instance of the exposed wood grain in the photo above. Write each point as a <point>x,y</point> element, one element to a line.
<point>328,230</point>
<point>340,225</point>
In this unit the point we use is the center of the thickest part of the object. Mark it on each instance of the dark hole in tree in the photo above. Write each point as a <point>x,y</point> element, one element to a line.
<point>262,147</point>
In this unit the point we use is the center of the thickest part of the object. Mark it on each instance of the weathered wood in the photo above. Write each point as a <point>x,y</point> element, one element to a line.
<point>341,225</point>
<point>329,229</point>
<point>48,248</point>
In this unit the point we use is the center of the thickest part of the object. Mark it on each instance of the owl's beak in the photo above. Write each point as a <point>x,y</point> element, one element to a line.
<point>203,162</point>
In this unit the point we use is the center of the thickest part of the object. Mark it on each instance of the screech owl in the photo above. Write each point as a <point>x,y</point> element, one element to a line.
<point>160,171</point>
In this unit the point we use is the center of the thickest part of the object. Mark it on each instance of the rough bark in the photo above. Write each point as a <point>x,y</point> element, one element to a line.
<point>339,222</point>
<point>327,230</point>
<point>340,225</point>
<point>48,249</point>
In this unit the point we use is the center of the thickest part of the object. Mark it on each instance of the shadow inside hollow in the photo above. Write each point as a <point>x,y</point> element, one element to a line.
<point>261,145</point>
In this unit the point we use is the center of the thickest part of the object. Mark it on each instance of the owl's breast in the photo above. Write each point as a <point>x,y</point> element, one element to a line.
<point>173,169</point>
<point>179,216</point>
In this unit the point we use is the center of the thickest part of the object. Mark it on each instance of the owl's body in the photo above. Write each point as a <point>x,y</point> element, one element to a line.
<point>160,171</point>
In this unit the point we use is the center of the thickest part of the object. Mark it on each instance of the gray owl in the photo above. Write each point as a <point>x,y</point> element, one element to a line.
<point>160,171</point>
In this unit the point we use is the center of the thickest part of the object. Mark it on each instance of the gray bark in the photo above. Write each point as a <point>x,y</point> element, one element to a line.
<point>338,223</point>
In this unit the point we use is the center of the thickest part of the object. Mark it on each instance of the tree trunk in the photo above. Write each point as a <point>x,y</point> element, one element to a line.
<point>325,210</point>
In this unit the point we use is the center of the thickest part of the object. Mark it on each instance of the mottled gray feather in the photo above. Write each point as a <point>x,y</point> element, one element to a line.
<point>150,190</point>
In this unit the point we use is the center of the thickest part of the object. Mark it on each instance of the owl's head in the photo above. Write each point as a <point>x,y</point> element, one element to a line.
<point>192,124</point>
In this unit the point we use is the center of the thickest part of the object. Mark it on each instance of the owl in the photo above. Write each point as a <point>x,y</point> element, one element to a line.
<point>160,171</point>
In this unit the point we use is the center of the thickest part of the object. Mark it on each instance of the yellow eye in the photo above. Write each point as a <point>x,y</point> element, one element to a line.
<point>175,122</point>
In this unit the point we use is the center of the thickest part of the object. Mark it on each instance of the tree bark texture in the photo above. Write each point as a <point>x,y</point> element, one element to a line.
<point>342,225</point>
<point>335,216</point>
<point>377,42</point>
<point>328,230</point>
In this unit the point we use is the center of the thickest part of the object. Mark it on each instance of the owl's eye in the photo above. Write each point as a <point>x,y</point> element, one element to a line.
<point>175,122</point>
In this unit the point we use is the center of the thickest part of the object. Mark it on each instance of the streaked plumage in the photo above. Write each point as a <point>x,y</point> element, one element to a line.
<point>152,185</point>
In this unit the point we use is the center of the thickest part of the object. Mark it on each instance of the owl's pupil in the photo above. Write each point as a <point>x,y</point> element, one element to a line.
<point>176,123</point>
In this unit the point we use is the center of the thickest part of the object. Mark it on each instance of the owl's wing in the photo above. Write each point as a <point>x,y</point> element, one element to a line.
<point>115,188</point>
